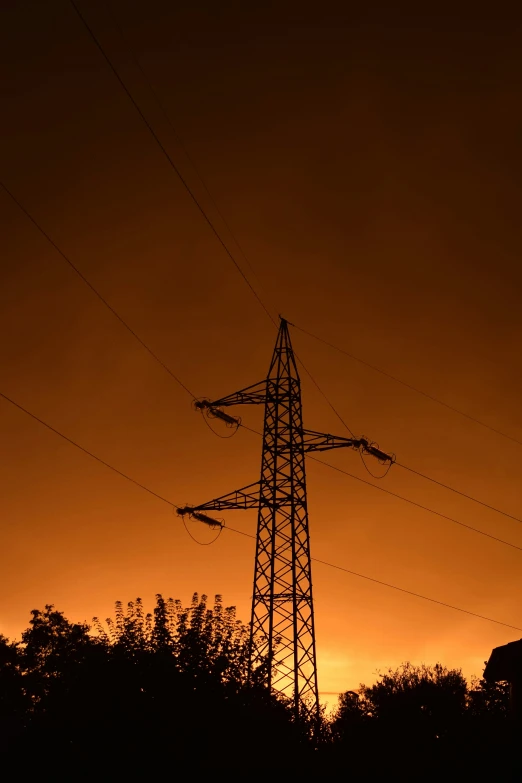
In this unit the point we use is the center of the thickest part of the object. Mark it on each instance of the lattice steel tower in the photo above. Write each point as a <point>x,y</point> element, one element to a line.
<point>282,620</point>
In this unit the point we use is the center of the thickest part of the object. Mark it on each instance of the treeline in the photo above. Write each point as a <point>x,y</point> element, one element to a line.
<point>144,694</point>
<point>419,722</point>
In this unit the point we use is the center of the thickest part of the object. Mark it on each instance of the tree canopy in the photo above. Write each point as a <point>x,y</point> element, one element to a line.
<point>144,693</point>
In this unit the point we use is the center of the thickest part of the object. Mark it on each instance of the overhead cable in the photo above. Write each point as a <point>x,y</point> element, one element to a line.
<point>418,505</point>
<point>405,499</point>
<point>136,60</point>
<point>170,160</point>
<point>247,535</point>
<point>408,468</point>
<point>408,385</point>
<point>95,291</point>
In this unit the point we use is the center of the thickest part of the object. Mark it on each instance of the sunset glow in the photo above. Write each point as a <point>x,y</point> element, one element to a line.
<point>377,208</point>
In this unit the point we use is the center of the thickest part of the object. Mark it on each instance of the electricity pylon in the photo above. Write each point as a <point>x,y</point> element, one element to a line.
<point>282,632</point>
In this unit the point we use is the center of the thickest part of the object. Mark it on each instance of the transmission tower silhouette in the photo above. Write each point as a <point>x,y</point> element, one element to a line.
<point>282,630</point>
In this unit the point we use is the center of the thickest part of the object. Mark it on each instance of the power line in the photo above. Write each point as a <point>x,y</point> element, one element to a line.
<point>416,472</point>
<point>245,258</point>
<point>323,394</point>
<point>411,502</point>
<point>95,291</point>
<point>248,535</point>
<point>85,451</point>
<point>185,184</point>
<point>414,503</point>
<point>408,385</point>
<point>458,492</point>
<point>334,409</point>
<point>230,255</point>
<point>401,497</point>
<point>406,467</point>
<point>312,378</point>
<point>170,160</point>
<point>179,141</point>
<point>391,586</point>
<point>149,350</point>
<point>196,169</point>
<point>417,595</point>
<point>165,367</point>
<point>185,388</point>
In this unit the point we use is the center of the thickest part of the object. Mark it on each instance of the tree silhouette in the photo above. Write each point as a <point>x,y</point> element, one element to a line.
<point>144,694</point>
<point>423,719</point>
<point>425,700</point>
<point>206,643</point>
<point>140,689</point>
<point>14,702</point>
<point>411,714</point>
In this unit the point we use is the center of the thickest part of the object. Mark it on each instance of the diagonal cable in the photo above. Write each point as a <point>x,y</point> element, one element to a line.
<point>95,291</point>
<point>248,535</point>
<point>170,160</point>
<point>408,385</point>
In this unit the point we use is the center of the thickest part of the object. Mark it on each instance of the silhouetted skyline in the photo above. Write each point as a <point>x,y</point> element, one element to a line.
<point>369,165</point>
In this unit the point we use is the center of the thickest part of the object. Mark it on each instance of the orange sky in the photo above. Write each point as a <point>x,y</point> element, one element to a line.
<point>369,165</point>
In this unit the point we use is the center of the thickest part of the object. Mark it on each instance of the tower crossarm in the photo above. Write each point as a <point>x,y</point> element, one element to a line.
<point>246,497</point>
<point>251,395</point>
<point>322,441</point>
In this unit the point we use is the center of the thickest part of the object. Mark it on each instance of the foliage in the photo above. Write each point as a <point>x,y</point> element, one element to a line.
<point>490,699</point>
<point>137,689</point>
<point>423,718</point>
<point>206,643</point>
<point>421,699</point>
<point>146,693</point>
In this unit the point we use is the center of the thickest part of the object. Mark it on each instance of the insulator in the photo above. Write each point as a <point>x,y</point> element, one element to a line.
<point>380,454</point>
<point>184,510</point>
<point>374,450</point>
<point>199,405</point>
<point>207,520</point>
<point>219,414</point>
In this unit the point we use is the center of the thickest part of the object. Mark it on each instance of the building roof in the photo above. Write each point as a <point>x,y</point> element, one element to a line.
<point>505,663</point>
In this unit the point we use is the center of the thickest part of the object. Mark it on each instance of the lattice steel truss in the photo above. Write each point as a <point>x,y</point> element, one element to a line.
<point>282,620</point>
